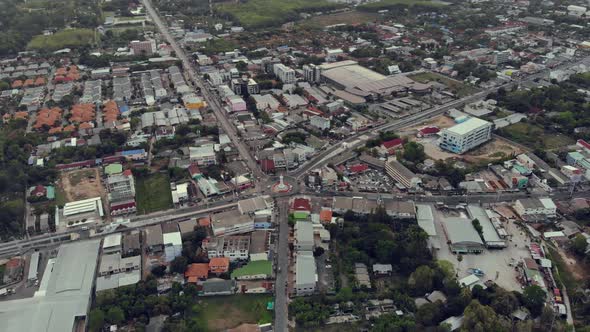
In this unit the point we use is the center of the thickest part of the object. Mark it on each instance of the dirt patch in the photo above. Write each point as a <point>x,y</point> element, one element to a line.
<point>81,184</point>
<point>495,149</point>
<point>351,17</point>
<point>440,121</point>
<point>578,270</point>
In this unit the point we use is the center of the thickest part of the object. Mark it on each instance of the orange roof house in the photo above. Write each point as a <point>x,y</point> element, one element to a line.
<point>110,111</point>
<point>28,82</point>
<point>69,128</point>
<point>85,125</point>
<point>55,130</point>
<point>219,265</point>
<point>21,115</point>
<point>204,222</point>
<point>82,113</point>
<point>326,216</point>
<point>196,272</point>
<point>17,84</point>
<point>40,81</point>
<point>47,117</point>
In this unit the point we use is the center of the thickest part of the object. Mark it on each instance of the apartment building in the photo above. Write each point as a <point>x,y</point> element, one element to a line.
<point>284,73</point>
<point>466,135</point>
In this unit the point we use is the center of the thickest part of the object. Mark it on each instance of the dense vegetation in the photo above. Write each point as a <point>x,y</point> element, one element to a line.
<point>399,4</point>
<point>267,13</point>
<point>62,39</point>
<point>16,175</point>
<point>21,21</point>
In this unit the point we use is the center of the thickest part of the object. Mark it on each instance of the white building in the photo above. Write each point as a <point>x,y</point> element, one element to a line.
<point>535,207</point>
<point>231,222</point>
<point>179,192</point>
<point>576,10</point>
<point>305,274</point>
<point>320,122</point>
<point>466,135</point>
<point>233,247</point>
<point>84,206</point>
<point>203,155</point>
<point>284,73</point>
<point>304,236</point>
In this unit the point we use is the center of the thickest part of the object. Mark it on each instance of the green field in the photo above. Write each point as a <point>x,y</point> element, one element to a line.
<point>62,39</point>
<point>153,193</point>
<point>222,313</point>
<point>388,4</point>
<point>535,136</point>
<point>253,268</point>
<point>267,13</point>
<point>458,88</point>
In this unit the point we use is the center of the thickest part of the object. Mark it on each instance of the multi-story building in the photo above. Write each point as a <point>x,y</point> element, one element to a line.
<point>231,222</point>
<point>147,47</point>
<point>466,135</point>
<point>320,122</point>
<point>203,155</point>
<point>535,207</point>
<point>312,73</point>
<point>284,73</point>
<point>232,247</point>
<point>401,174</point>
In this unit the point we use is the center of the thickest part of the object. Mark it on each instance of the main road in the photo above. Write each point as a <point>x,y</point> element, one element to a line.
<point>209,97</point>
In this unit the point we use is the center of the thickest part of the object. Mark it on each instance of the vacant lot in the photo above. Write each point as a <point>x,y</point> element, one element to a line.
<point>266,13</point>
<point>153,193</point>
<point>456,87</point>
<point>535,136</point>
<point>351,17</point>
<point>62,39</point>
<point>79,184</point>
<point>222,313</point>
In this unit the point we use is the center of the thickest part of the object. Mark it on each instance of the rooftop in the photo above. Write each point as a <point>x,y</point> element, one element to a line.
<point>460,230</point>
<point>467,126</point>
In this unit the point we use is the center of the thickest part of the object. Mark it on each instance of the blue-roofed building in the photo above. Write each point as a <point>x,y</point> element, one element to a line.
<point>136,155</point>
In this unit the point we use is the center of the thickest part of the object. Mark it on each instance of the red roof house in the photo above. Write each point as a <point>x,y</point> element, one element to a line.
<point>301,204</point>
<point>360,168</point>
<point>196,272</point>
<point>427,131</point>
<point>219,265</point>
<point>39,191</point>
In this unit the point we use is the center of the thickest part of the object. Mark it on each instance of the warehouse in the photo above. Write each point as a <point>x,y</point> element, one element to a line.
<point>84,206</point>
<point>490,236</point>
<point>462,236</point>
<point>63,299</point>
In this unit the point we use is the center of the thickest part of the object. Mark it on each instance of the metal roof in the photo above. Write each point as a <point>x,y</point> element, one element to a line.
<point>488,230</point>
<point>467,126</point>
<point>460,230</point>
<point>305,269</point>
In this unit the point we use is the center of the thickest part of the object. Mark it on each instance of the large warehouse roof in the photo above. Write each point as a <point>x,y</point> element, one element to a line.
<point>489,232</point>
<point>425,218</point>
<point>352,75</point>
<point>66,298</point>
<point>460,230</point>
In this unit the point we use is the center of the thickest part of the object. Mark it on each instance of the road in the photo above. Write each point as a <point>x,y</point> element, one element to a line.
<point>209,97</point>
<point>281,297</point>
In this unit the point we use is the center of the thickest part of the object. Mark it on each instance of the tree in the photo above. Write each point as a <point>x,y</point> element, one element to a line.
<point>429,314</point>
<point>159,270</point>
<point>579,245</point>
<point>504,303</point>
<point>393,323</point>
<point>115,315</point>
<point>414,152</point>
<point>317,252</point>
<point>96,319</point>
<point>480,318</point>
<point>534,299</point>
<point>242,66</point>
<point>422,279</point>
<point>179,264</point>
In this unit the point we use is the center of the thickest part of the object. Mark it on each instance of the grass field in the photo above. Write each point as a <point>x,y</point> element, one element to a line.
<point>458,88</point>
<point>222,313</point>
<point>267,13</point>
<point>253,268</point>
<point>153,193</point>
<point>62,39</point>
<point>349,17</point>
<point>534,136</point>
<point>388,4</point>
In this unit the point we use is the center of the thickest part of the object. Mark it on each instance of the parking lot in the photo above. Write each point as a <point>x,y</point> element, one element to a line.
<point>497,264</point>
<point>371,181</point>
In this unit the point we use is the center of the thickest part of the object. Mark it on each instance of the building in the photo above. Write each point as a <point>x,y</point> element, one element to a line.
<point>132,243</point>
<point>216,287</point>
<point>153,238</point>
<point>172,241</point>
<point>64,296</point>
<point>203,155</point>
<point>179,192</point>
<point>90,205</point>
<point>284,73</point>
<point>187,227</point>
<point>219,265</point>
<point>33,273</point>
<point>320,122</point>
<point>305,274</point>
<point>399,209</point>
<point>115,271</point>
<point>462,236</point>
<point>255,204</point>
<point>490,235</point>
<point>466,135</point>
<point>147,47</point>
<point>535,207</point>
<point>301,208</point>
<point>259,245</point>
<point>235,247</point>
<point>402,174</point>
<point>304,236</point>
<point>231,222</point>
<point>112,244</point>
<point>196,272</point>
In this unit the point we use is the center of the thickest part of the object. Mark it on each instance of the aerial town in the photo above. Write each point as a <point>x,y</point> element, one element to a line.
<point>270,165</point>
